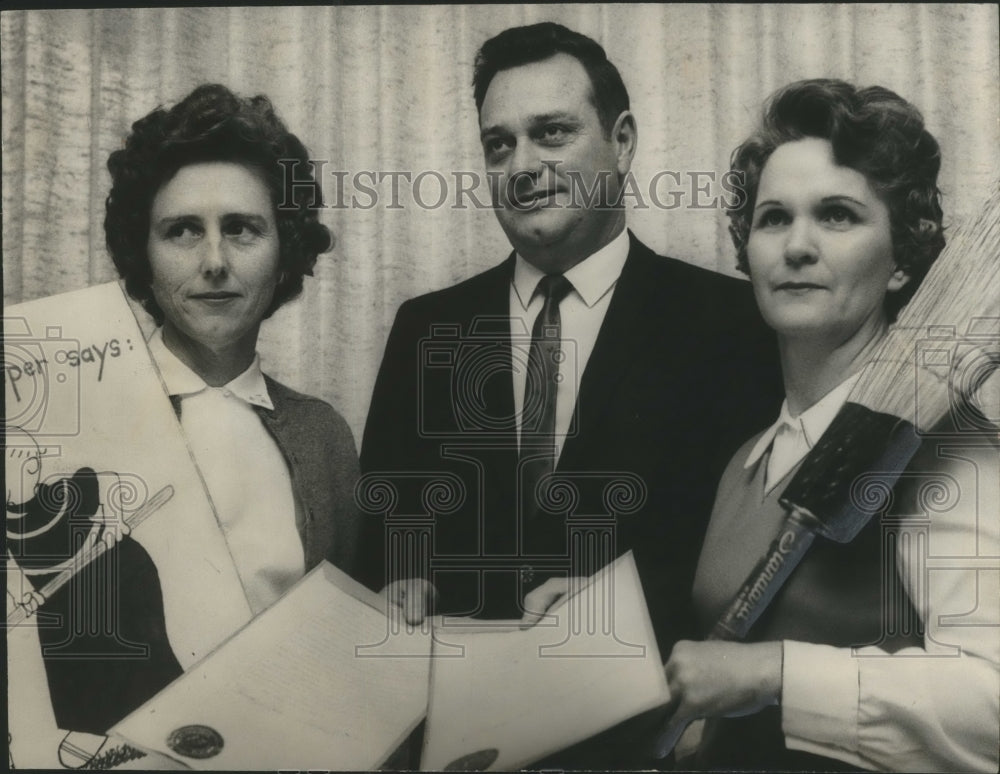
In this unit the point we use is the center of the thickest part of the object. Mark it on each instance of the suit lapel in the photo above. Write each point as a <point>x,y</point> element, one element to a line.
<point>621,340</point>
<point>487,378</point>
<point>491,326</point>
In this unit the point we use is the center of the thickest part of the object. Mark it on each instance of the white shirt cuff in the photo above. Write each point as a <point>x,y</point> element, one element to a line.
<point>819,695</point>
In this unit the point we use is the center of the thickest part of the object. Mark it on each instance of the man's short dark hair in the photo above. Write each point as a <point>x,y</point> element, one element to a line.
<point>213,124</point>
<point>873,131</point>
<point>523,45</point>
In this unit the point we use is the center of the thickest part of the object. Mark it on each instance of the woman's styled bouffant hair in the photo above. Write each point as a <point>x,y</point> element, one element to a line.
<point>872,130</point>
<point>213,124</point>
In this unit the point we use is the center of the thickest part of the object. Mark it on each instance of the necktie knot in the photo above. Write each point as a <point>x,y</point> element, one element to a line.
<point>554,287</point>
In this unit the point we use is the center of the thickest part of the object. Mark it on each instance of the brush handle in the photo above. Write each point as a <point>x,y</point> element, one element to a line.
<point>767,577</point>
<point>819,501</point>
<point>762,584</point>
<point>668,738</point>
<point>858,442</point>
<point>19,615</point>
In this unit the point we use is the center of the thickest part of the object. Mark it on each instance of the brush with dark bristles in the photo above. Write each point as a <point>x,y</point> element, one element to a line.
<point>936,359</point>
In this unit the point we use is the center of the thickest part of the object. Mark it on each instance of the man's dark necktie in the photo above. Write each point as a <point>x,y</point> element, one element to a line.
<point>538,417</point>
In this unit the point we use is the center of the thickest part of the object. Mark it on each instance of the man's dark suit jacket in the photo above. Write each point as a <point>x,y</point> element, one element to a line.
<point>682,372</point>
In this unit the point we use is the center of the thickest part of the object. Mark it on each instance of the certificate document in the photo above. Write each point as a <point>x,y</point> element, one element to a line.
<point>320,680</point>
<point>514,696</point>
<point>324,679</point>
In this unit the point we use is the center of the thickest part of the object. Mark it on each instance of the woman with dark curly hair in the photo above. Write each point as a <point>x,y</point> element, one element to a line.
<point>863,659</point>
<point>212,223</point>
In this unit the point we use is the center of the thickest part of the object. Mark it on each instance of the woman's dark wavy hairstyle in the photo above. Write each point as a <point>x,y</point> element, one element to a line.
<point>524,45</point>
<point>213,124</point>
<point>872,130</point>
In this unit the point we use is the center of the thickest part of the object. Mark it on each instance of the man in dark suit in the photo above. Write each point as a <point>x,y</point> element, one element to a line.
<point>579,399</point>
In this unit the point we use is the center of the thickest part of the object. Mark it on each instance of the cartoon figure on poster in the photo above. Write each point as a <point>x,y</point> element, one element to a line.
<point>70,549</point>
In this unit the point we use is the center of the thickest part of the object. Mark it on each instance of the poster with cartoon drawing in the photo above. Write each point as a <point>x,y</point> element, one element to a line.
<point>118,576</point>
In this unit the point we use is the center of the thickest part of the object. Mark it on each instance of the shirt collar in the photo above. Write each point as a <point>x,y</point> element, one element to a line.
<point>179,379</point>
<point>812,422</point>
<point>592,277</point>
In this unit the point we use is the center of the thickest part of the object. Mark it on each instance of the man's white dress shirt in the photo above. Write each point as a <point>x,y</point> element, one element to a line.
<point>581,316</point>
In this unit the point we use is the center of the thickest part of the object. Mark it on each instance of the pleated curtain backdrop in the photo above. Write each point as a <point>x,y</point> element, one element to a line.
<point>375,89</point>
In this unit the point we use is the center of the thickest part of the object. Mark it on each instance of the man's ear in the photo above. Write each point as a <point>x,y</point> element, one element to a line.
<point>625,136</point>
<point>897,280</point>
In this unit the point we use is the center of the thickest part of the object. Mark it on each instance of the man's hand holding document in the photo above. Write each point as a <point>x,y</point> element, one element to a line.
<point>518,694</point>
<point>324,679</point>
